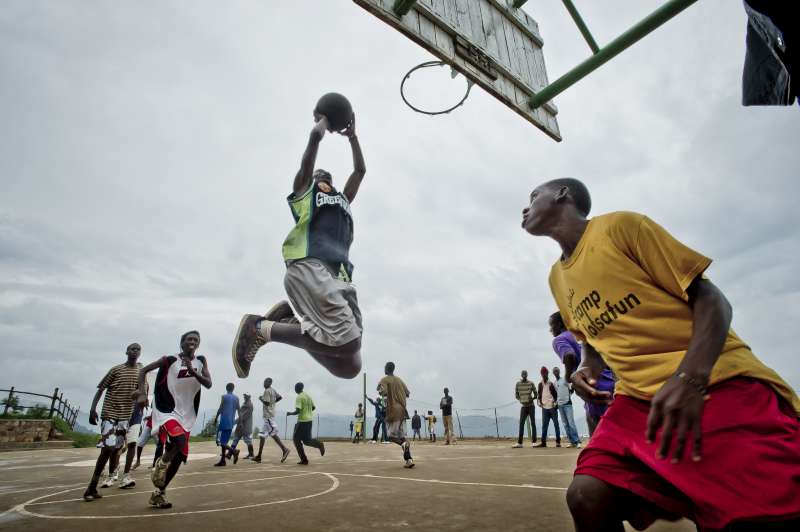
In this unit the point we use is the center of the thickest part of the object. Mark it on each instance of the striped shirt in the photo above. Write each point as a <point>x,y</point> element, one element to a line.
<point>525,392</point>
<point>119,383</point>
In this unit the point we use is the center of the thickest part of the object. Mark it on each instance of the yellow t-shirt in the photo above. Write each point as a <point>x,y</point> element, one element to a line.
<point>623,291</point>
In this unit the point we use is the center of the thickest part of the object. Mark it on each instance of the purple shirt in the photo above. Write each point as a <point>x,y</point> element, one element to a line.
<point>566,343</point>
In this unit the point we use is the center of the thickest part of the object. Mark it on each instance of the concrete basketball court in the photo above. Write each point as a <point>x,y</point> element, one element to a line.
<point>474,485</point>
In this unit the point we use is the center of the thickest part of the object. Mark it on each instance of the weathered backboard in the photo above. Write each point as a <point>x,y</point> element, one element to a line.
<point>495,45</point>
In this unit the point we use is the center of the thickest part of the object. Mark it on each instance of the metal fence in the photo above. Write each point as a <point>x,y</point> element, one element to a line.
<point>58,405</point>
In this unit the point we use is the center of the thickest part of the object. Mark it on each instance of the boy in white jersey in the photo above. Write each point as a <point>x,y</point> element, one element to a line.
<point>270,428</point>
<point>175,404</point>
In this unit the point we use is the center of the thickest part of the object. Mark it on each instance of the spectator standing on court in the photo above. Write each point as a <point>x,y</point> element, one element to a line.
<point>359,415</point>
<point>547,402</point>
<point>446,404</point>
<point>226,414</point>
<point>564,406</point>
<point>525,394</point>
<point>380,419</point>
<point>416,425</point>
<point>304,410</point>
<point>244,429</point>
<point>431,419</point>
<point>396,393</point>
<point>351,429</point>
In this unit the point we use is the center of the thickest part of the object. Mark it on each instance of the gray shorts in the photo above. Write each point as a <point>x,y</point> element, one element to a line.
<point>327,306</point>
<point>396,429</point>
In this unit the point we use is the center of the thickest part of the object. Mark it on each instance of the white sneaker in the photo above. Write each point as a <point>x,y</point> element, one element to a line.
<point>409,464</point>
<point>517,446</point>
<point>107,483</point>
<point>372,441</point>
<point>386,442</point>
<point>127,482</point>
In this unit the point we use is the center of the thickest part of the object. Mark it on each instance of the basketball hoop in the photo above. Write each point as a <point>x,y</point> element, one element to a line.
<point>428,64</point>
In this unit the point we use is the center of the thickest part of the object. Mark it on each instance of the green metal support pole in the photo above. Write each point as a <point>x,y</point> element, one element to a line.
<point>519,3</point>
<point>573,12</point>
<point>401,7</point>
<point>611,50</point>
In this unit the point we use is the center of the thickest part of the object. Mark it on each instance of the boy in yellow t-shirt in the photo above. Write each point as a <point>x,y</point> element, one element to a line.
<point>638,301</point>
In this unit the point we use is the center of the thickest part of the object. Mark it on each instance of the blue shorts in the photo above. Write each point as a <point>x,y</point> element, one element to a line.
<point>223,437</point>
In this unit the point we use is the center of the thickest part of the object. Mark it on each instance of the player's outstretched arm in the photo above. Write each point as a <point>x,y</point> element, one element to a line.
<point>359,167</point>
<point>306,173</point>
<point>142,384</point>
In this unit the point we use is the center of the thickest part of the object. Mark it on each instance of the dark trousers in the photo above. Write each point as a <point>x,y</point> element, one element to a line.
<point>380,424</point>
<point>527,411</point>
<point>547,415</point>
<point>302,435</point>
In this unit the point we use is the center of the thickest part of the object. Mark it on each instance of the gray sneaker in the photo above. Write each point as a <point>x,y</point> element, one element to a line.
<point>159,474</point>
<point>246,344</point>
<point>159,500</point>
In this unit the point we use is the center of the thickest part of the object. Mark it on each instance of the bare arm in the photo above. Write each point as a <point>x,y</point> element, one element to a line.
<point>359,167</point>
<point>585,377</point>
<point>570,364</point>
<point>142,385</point>
<point>306,173</point>
<point>93,409</point>
<point>204,377</point>
<point>679,403</point>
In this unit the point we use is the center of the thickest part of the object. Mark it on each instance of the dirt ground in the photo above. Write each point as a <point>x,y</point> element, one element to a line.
<point>474,485</point>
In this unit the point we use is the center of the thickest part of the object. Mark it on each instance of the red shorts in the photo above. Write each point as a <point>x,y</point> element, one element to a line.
<point>172,429</point>
<point>750,466</point>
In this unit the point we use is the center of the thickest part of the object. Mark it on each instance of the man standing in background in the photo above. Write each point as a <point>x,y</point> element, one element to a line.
<point>359,415</point>
<point>431,419</point>
<point>416,425</point>
<point>446,404</point>
<point>244,429</point>
<point>547,402</point>
<point>564,406</point>
<point>380,419</point>
<point>525,394</point>
<point>226,413</point>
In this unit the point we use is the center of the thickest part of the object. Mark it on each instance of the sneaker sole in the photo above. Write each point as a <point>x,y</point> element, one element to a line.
<point>272,313</point>
<point>128,486</point>
<point>239,370</point>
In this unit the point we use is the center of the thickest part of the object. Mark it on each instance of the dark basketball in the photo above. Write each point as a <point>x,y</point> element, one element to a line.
<point>337,108</point>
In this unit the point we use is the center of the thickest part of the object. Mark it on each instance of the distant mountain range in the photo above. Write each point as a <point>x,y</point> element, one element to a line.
<point>338,426</point>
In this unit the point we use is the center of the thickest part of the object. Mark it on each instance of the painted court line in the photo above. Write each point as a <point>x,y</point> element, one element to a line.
<point>130,492</point>
<point>435,481</point>
<point>156,513</point>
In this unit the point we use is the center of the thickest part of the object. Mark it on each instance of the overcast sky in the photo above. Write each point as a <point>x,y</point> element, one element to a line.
<point>146,150</point>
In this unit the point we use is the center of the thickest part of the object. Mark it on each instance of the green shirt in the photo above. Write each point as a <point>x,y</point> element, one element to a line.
<point>305,407</point>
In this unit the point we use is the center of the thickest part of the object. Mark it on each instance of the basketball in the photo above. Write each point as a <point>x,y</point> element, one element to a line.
<point>337,108</point>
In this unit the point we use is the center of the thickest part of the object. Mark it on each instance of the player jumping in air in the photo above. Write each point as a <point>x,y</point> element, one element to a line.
<point>318,271</point>
<point>699,427</point>
<point>175,402</point>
